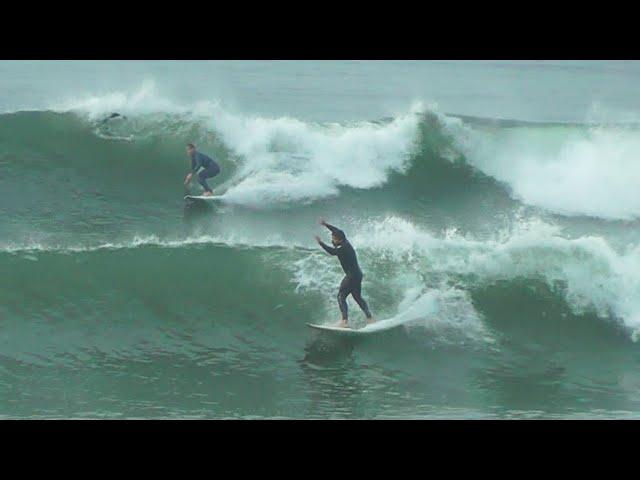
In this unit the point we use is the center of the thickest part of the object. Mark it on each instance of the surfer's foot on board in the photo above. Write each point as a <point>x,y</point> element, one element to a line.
<point>371,320</point>
<point>343,324</point>
<point>207,194</point>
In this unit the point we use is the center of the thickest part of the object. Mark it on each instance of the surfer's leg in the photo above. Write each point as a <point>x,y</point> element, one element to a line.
<point>209,172</point>
<point>355,293</point>
<point>342,299</point>
<point>202,179</point>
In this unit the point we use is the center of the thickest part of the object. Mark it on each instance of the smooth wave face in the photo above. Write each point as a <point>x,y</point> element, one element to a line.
<point>511,244</point>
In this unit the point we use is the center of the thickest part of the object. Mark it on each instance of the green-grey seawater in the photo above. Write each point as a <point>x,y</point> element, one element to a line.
<point>495,201</point>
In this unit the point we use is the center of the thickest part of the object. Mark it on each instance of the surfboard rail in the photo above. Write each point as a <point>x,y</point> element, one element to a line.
<point>204,198</point>
<point>376,327</point>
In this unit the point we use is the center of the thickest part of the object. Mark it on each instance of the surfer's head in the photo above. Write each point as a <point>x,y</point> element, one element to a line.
<point>191,148</point>
<point>337,238</point>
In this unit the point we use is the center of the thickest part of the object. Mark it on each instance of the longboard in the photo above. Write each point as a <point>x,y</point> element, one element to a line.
<point>212,198</point>
<point>376,327</point>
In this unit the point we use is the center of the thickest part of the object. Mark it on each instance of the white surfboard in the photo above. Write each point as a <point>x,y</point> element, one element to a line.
<point>376,327</point>
<point>212,198</point>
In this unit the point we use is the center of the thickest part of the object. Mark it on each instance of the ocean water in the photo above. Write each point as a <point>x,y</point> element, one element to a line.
<point>493,202</point>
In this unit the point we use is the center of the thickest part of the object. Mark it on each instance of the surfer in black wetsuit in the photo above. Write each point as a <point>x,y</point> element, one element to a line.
<point>111,117</point>
<point>209,169</point>
<point>352,282</point>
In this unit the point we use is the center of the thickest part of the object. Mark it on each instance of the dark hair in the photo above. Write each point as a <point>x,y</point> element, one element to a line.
<point>339,234</point>
<point>191,145</point>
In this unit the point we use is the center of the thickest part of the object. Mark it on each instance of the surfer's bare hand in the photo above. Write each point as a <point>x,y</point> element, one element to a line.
<point>322,222</point>
<point>187,179</point>
<point>318,239</point>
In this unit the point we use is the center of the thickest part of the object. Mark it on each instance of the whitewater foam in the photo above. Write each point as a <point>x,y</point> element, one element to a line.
<point>598,279</point>
<point>570,170</point>
<point>287,160</point>
<point>444,310</point>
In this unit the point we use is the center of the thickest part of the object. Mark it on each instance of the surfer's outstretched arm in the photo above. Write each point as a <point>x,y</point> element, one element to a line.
<point>333,229</point>
<point>327,248</point>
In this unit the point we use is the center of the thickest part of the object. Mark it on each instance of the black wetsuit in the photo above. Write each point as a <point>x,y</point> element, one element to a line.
<point>211,168</point>
<point>352,282</point>
<point>111,117</point>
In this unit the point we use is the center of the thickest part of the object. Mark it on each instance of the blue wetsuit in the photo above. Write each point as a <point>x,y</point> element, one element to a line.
<point>210,168</point>
<point>352,282</point>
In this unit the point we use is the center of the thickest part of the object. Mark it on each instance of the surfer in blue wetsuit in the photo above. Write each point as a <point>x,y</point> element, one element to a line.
<point>352,282</point>
<point>209,169</point>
